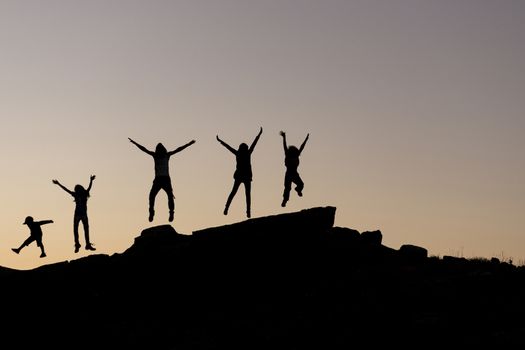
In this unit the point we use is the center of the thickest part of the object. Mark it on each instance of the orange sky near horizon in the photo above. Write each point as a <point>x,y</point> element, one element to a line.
<point>414,110</point>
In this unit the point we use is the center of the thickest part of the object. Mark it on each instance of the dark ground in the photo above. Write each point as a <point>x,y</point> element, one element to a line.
<point>287,281</point>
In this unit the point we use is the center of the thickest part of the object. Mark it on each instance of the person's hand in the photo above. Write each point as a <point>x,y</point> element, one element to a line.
<point>92,177</point>
<point>55,182</point>
<point>282,133</point>
<point>217,137</point>
<point>260,131</point>
<point>130,140</point>
<point>192,142</point>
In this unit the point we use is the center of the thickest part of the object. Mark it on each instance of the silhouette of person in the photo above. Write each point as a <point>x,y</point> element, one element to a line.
<point>35,235</point>
<point>291,161</point>
<point>81,195</point>
<point>162,180</point>
<point>243,171</point>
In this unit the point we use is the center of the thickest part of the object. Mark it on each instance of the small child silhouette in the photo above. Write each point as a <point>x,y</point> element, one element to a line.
<point>291,161</point>
<point>243,171</point>
<point>35,235</point>
<point>81,195</point>
<point>162,180</point>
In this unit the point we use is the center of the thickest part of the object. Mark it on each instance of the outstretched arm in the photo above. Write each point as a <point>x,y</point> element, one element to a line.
<point>181,148</point>
<point>92,177</point>
<point>43,222</point>
<point>304,143</point>
<point>142,148</point>
<point>282,133</point>
<point>255,140</point>
<point>63,187</point>
<point>228,147</point>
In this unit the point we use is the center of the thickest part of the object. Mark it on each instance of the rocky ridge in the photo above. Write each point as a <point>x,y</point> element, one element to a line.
<point>290,280</point>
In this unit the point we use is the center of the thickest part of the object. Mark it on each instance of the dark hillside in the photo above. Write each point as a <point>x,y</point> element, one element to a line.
<point>286,281</point>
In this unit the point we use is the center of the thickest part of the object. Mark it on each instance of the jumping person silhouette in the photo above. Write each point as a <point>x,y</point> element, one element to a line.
<point>35,235</point>
<point>162,178</point>
<point>81,195</point>
<point>243,171</point>
<point>291,161</point>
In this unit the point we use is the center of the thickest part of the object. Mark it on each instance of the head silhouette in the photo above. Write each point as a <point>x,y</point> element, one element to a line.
<point>160,149</point>
<point>29,220</point>
<point>243,148</point>
<point>293,151</point>
<point>81,191</point>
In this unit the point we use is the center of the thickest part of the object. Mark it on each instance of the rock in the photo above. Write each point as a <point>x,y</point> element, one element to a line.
<point>372,237</point>
<point>413,253</point>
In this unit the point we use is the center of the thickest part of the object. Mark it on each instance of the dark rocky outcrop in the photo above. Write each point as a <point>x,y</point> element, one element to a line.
<point>285,281</point>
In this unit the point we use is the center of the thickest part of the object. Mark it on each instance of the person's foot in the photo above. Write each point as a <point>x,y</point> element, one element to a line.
<point>225,211</point>
<point>43,255</point>
<point>16,250</point>
<point>248,214</point>
<point>299,192</point>
<point>171,216</point>
<point>90,247</point>
<point>77,247</point>
<point>283,204</point>
<point>151,215</point>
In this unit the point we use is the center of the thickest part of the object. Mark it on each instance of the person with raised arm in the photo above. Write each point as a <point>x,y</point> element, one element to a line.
<point>162,180</point>
<point>243,171</point>
<point>80,195</point>
<point>291,176</point>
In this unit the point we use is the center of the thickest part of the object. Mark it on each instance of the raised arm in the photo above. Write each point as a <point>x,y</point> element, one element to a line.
<point>181,148</point>
<point>91,178</point>
<point>283,134</point>
<point>142,148</point>
<point>228,147</point>
<point>255,140</point>
<point>304,143</point>
<point>63,187</point>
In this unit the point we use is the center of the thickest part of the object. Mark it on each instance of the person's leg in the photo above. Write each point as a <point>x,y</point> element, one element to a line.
<point>85,224</point>
<point>76,221</point>
<point>171,198</point>
<point>41,245</point>
<point>287,188</point>
<point>155,188</point>
<point>299,184</point>
<point>235,187</point>
<point>248,192</point>
<point>28,241</point>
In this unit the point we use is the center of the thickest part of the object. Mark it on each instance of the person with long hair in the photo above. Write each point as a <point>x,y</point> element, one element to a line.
<point>243,171</point>
<point>80,195</point>
<point>291,161</point>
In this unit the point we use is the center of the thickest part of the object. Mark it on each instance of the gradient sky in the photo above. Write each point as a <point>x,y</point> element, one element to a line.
<point>414,109</point>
